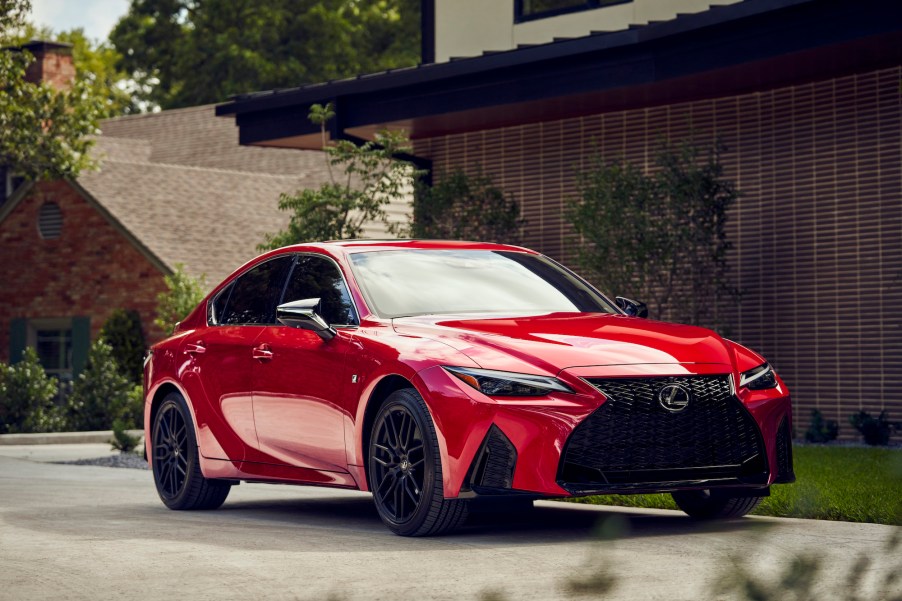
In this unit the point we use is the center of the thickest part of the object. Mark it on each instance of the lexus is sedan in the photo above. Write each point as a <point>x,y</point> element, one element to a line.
<point>444,375</point>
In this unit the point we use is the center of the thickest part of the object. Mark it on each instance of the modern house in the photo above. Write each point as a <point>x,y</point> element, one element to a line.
<point>172,187</point>
<point>806,95</point>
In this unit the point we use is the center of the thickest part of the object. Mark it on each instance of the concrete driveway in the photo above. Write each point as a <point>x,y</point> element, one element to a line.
<point>77,532</point>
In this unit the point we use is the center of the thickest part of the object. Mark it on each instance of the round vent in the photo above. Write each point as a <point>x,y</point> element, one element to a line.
<point>50,221</point>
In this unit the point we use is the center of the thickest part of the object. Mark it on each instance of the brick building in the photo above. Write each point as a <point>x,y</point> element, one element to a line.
<point>172,187</point>
<point>806,94</point>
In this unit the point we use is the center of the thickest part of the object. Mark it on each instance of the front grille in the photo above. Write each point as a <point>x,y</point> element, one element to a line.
<point>633,440</point>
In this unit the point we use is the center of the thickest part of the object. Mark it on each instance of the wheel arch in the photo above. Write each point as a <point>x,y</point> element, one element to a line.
<point>383,389</point>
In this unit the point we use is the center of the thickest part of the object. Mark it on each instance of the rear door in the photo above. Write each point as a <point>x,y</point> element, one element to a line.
<point>300,379</point>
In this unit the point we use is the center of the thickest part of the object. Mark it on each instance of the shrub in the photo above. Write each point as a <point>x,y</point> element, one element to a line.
<point>123,332</point>
<point>876,430</point>
<point>820,429</point>
<point>123,441</point>
<point>466,207</point>
<point>100,394</point>
<point>183,294</point>
<point>26,397</point>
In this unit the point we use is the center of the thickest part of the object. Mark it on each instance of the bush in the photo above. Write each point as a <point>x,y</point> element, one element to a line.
<point>183,295</point>
<point>26,397</point>
<point>123,332</point>
<point>876,430</point>
<point>466,207</point>
<point>100,394</point>
<point>820,429</point>
<point>123,441</point>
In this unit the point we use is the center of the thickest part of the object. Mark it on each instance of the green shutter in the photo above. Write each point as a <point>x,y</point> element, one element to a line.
<point>81,342</point>
<point>18,338</point>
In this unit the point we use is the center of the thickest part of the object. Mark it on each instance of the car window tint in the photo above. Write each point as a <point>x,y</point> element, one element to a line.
<point>318,277</point>
<point>218,305</point>
<point>254,294</point>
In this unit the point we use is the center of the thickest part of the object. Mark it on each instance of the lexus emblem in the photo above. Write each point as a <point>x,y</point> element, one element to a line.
<point>674,397</point>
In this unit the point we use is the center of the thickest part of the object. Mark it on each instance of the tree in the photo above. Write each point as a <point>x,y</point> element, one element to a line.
<point>369,177</point>
<point>660,237</point>
<point>189,52</point>
<point>122,331</point>
<point>183,294</point>
<point>45,131</point>
<point>466,207</point>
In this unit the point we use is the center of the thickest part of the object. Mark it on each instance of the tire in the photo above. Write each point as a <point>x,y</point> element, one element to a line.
<point>713,505</point>
<point>405,470</point>
<point>175,460</point>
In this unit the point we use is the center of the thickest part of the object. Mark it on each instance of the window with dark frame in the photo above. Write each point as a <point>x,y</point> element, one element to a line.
<point>528,10</point>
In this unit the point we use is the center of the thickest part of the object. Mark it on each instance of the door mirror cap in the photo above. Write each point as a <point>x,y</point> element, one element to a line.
<point>302,314</point>
<point>631,307</point>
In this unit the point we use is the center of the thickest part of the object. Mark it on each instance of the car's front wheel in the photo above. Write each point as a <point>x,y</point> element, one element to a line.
<point>405,470</point>
<point>175,460</point>
<point>714,504</point>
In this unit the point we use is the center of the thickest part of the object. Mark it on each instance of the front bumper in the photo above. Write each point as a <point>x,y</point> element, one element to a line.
<point>585,443</point>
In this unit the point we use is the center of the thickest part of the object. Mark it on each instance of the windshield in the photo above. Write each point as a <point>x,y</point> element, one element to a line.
<point>400,283</point>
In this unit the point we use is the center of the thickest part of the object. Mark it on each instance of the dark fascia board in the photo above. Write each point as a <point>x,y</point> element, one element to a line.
<point>502,61</point>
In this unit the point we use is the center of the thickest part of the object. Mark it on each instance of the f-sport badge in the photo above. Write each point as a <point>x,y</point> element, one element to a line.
<point>674,397</point>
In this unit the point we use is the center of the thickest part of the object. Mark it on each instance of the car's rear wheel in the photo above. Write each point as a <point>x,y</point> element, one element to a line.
<point>175,460</point>
<point>405,470</point>
<point>714,504</point>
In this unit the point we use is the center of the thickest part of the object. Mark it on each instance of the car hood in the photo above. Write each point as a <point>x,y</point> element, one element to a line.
<point>558,341</point>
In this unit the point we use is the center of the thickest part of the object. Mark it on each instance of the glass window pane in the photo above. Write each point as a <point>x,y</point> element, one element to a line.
<point>316,277</point>
<point>254,295</point>
<point>54,348</point>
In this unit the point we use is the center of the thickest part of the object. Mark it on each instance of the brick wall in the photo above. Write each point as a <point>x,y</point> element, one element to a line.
<point>89,270</point>
<point>818,231</point>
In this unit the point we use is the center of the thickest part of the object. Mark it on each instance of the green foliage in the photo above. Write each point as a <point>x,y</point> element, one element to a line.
<point>832,481</point>
<point>122,331</point>
<point>466,207</point>
<point>186,52</point>
<point>95,67</point>
<point>45,131</point>
<point>820,429</point>
<point>658,237</point>
<point>100,394</point>
<point>369,178</point>
<point>27,397</point>
<point>122,441</point>
<point>183,294</point>
<point>875,430</point>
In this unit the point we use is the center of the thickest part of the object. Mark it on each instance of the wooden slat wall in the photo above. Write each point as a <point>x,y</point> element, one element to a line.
<point>817,232</point>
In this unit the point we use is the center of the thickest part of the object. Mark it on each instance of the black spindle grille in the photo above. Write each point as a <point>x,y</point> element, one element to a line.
<point>632,439</point>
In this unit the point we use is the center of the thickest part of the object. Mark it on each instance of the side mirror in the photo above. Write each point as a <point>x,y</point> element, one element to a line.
<point>631,307</point>
<point>302,314</point>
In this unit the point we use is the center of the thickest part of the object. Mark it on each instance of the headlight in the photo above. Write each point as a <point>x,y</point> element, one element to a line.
<point>759,378</point>
<point>505,383</point>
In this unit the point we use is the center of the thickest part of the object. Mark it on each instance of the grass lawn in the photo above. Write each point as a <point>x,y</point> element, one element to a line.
<point>832,483</point>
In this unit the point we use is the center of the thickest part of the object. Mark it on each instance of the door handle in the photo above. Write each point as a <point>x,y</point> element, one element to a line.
<point>195,348</point>
<point>262,352</point>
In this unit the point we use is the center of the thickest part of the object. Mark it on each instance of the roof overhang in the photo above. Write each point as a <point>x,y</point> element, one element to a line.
<point>728,50</point>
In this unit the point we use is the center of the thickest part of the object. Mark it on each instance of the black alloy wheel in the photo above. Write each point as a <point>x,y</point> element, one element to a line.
<point>405,471</point>
<point>175,460</point>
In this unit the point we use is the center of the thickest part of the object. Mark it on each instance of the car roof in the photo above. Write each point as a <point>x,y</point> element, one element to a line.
<point>356,246</point>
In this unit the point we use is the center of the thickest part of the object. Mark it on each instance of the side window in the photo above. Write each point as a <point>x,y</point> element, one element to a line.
<point>254,294</point>
<point>318,277</point>
<point>216,309</point>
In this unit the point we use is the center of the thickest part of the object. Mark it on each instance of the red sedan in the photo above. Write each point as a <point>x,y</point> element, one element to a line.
<point>437,374</point>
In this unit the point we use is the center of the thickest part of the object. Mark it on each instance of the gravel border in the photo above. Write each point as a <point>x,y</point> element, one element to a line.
<point>123,460</point>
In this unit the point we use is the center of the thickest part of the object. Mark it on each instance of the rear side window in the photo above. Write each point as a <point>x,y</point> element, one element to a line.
<point>318,277</point>
<point>254,294</point>
<point>217,307</point>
